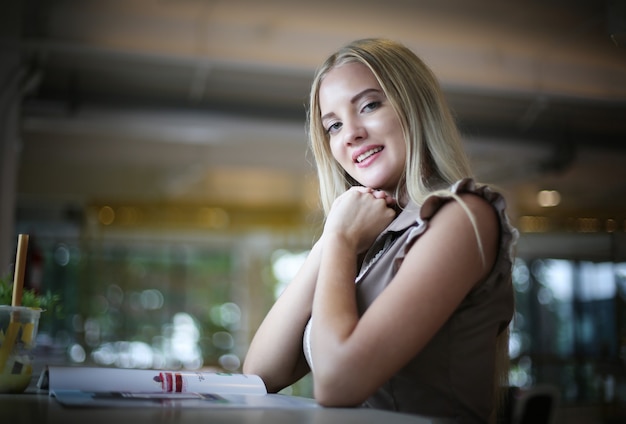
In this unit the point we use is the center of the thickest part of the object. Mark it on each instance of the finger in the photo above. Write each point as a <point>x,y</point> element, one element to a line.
<point>380,194</point>
<point>391,201</point>
<point>362,189</point>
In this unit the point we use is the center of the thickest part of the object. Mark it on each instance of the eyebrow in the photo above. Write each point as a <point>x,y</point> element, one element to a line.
<point>354,99</point>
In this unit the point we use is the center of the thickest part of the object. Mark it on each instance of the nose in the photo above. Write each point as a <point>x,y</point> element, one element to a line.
<point>354,131</point>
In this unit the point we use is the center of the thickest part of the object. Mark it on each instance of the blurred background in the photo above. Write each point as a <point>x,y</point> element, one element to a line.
<point>155,152</point>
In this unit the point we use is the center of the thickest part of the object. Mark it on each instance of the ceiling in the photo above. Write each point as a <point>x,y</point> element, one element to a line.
<point>204,101</point>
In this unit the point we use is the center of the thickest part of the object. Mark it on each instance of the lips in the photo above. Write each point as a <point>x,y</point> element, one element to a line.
<point>364,154</point>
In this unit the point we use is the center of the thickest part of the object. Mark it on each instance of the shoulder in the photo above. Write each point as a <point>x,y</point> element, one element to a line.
<point>459,225</point>
<point>480,199</point>
<point>466,214</point>
<point>461,202</point>
<point>463,213</point>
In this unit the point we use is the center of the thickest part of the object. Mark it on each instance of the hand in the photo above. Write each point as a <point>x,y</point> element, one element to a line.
<point>359,215</point>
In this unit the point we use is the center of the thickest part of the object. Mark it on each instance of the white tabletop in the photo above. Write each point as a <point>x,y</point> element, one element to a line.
<point>36,407</point>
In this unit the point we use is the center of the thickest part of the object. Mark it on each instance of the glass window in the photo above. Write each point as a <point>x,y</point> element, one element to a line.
<point>569,328</point>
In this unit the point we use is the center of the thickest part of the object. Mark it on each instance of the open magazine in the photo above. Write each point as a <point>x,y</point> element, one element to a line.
<point>122,387</point>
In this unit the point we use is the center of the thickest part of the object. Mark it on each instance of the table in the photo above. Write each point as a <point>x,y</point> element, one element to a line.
<point>36,407</point>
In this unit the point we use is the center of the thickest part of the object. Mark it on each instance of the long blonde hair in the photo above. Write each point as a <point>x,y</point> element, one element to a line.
<point>435,157</point>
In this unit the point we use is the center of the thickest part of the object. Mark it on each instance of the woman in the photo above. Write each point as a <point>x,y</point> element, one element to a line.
<point>425,325</point>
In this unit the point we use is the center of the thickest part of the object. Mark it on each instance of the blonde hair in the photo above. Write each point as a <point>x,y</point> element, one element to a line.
<point>435,157</point>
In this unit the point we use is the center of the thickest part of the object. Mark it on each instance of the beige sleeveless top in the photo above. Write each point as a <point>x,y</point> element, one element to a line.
<point>453,375</point>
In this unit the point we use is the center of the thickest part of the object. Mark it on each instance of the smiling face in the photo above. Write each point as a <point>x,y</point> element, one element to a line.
<point>365,134</point>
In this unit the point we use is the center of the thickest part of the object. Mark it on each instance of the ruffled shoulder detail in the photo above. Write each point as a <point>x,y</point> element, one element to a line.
<point>467,185</point>
<point>436,200</point>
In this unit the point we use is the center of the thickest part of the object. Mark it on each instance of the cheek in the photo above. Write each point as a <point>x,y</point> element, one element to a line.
<point>398,138</point>
<point>335,149</point>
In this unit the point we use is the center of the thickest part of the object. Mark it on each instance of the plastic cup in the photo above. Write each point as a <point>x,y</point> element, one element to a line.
<point>18,332</point>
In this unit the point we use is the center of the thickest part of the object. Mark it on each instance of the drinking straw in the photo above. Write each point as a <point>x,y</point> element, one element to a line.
<point>20,266</point>
<point>16,300</point>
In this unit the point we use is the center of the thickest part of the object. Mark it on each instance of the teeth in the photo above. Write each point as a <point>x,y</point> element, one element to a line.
<point>367,154</point>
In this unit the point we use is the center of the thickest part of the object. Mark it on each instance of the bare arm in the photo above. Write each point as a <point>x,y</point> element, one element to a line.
<point>275,353</point>
<point>352,356</point>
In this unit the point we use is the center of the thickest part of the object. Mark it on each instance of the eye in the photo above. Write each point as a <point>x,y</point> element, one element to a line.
<point>333,128</point>
<point>371,106</point>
